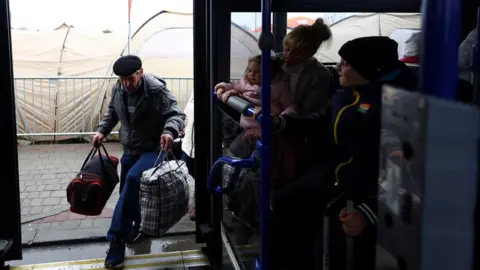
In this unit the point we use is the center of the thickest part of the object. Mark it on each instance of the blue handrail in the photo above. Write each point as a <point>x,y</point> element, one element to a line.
<point>234,162</point>
<point>245,108</point>
<point>441,25</point>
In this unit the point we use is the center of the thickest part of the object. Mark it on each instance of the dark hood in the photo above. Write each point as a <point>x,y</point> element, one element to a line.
<point>406,78</point>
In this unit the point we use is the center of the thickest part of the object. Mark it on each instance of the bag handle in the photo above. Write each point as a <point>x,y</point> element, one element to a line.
<point>158,165</point>
<point>106,154</point>
<point>102,163</point>
<point>95,149</point>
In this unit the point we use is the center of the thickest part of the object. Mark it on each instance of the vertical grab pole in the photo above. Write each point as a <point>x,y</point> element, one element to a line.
<point>265,43</point>
<point>440,39</point>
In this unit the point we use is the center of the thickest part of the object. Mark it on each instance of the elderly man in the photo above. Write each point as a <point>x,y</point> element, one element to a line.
<point>150,120</point>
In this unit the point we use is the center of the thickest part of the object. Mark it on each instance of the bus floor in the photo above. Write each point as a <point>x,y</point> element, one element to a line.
<point>174,252</point>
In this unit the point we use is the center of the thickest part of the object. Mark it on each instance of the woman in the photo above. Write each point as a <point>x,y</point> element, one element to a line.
<point>309,84</point>
<point>351,164</point>
<point>188,142</point>
<point>188,146</point>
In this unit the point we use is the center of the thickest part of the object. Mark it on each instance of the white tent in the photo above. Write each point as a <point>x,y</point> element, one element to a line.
<point>49,104</point>
<point>165,43</point>
<point>46,104</point>
<point>363,25</point>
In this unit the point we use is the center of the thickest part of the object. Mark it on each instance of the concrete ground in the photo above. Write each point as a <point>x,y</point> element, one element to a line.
<point>45,172</point>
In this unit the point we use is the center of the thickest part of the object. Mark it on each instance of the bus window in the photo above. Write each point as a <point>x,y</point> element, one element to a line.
<point>244,41</point>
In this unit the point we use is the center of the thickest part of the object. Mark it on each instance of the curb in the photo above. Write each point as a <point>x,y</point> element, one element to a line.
<point>32,218</point>
<point>38,236</point>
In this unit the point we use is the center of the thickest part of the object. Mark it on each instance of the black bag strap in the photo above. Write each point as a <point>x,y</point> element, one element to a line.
<point>91,155</point>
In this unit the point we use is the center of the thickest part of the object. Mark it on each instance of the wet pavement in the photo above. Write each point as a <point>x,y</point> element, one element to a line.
<point>45,172</point>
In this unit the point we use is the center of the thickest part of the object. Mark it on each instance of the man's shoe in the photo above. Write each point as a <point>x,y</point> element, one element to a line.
<point>115,255</point>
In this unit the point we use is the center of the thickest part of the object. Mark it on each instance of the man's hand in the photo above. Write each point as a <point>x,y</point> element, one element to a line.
<point>97,139</point>
<point>353,223</point>
<point>166,142</point>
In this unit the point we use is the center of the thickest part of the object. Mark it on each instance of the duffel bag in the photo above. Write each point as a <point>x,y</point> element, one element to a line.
<point>90,190</point>
<point>164,196</point>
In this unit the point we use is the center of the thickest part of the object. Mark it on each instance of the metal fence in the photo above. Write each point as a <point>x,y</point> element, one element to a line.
<point>71,106</point>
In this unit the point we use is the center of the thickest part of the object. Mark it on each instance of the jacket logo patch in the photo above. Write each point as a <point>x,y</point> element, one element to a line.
<point>363,107</point>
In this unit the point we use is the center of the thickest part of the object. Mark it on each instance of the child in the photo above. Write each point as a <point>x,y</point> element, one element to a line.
<point>281,103</point>
<point>249,88</point>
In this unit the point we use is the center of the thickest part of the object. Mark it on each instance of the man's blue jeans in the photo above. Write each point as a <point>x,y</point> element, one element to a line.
<point>127,210</point>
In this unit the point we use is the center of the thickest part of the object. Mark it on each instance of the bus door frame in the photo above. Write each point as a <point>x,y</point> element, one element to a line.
<point>9,184</point>
<point>212,34</point>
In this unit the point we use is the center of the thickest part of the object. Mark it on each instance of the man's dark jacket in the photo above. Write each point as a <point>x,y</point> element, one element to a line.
<point>156,113</point>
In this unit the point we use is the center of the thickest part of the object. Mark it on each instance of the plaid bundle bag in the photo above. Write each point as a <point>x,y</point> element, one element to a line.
<point>164,197</point>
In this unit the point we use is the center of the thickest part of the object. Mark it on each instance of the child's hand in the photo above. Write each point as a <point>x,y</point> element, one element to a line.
<point>353,223</point>
<point>256,93</point>
<point>228,94</point>
<point>219,90</point>
<point>257,112</point>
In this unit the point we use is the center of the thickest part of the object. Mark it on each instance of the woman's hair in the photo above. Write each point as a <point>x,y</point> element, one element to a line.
<point>309,38</point>
<point>275,64</point>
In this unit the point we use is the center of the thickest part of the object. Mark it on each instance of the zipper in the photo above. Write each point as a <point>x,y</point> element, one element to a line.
<point>335,133</point>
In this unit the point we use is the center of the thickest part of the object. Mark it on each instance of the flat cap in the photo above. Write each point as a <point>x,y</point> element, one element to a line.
<point>127,65</point>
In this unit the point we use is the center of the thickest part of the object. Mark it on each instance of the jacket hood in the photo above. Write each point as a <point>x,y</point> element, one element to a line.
<point>405,78</point>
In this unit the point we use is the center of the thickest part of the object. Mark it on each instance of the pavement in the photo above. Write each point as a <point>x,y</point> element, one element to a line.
<point>45,172</point>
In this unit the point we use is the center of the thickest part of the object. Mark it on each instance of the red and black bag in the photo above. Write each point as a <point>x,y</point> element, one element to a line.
<point>90,190</point>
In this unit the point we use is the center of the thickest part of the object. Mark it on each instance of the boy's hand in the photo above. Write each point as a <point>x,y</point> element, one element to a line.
<point>353,223</point>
